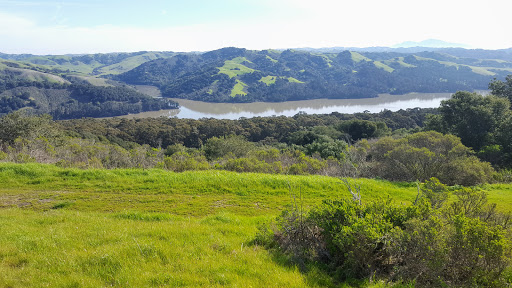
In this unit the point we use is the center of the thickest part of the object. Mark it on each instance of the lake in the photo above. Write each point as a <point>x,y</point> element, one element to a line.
<point>196,109</point>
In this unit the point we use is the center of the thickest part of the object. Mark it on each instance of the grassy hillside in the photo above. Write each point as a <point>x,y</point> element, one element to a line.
<point>89,64</point>
<point>28,73</point>
<point>152,228</point>
<point>39,89</point>
<point>207,192</point>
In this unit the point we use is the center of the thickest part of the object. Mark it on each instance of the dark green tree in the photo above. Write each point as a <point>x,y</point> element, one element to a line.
<point>502,89</point>
<point>473,117</point>
<point>18,124</point>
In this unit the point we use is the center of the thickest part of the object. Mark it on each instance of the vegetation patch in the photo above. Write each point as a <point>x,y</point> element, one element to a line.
<point>293,80</point>
<point>383,66</point>
<point>478,70</point>
<point>400,60</point>
<point>238,89</point>
<point>269,80</point>
<point>430,243</point>
<point>356,57</point>
<point>271,59</point>
<point>234,67</point>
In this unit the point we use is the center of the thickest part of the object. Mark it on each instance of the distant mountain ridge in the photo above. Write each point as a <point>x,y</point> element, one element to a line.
<point>430,43</point>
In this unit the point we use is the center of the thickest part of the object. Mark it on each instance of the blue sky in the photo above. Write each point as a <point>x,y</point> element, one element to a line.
<point>77,26</point>
<point>141,14</point>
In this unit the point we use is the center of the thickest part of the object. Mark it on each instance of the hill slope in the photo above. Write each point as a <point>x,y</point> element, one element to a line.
<point>90,64</point>
<point>240,75</point>
<point>23,86</point>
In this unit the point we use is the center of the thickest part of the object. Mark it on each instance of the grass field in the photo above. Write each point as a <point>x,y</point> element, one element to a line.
<point>153,228</point>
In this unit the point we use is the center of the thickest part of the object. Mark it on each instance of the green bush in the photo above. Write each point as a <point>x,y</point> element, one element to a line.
<point>464,243</point>
<point>3,155</point>
<point>251,165</point>
<point>219,147</point>
<point>423,155</point>
<point>183,161</point>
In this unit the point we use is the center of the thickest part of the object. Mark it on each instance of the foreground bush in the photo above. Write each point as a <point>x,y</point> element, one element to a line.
<point>465,243</point>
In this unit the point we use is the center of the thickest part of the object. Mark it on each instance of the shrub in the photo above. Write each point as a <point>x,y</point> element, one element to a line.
<point>219,147</point>
<point>3,155</point>
<point>251,165</point>
<point>465,243</point>
<point>183,161</point>
<point>423,155</point>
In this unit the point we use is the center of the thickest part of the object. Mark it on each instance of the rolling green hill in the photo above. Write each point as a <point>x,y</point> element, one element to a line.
<point>36,90</point>
<point>270,75</point>
<point>89,64</point>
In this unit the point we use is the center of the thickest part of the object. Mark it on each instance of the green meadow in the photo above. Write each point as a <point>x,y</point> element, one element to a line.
<point>62,227</point>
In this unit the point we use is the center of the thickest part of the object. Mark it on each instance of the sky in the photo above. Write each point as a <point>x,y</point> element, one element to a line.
<point>100,26</point>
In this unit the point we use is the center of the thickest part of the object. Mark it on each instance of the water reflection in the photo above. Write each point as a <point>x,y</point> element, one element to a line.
<point>197,109</point>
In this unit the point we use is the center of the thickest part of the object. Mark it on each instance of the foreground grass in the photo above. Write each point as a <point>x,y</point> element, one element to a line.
<point>75,249</point>
<point>152,228</point>
<point>193,193</point>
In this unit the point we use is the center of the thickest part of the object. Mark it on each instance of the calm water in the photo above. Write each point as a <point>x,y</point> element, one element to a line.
<point>197,109</point>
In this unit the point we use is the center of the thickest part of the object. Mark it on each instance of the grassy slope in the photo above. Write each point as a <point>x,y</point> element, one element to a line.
<point>399,60</point>
<point>32,75</point>
<point>383,66</point>
<point>234,67</point>
<point>478,70</point>
<point>269,80</point>
<point>79,69</point>
<point>238,89</point>
<point>150,228</point>
<point>271,59</point>
<point>87,69</point>
<point>94,80</point>
<point>130,63</point>
<point>293,80</point>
